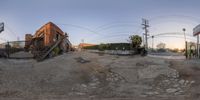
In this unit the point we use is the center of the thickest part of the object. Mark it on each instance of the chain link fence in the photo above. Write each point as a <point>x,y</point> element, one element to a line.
<point>191,50</point>
<point>14,50</point>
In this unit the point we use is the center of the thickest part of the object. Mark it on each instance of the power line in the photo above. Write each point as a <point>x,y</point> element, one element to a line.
<point>189,38</point>
<point>124,25</point>
<point>80,27</point>
<point>114,23</point>
<point>11,31</point>
<point>195,19</point>
<point>172,33</point>
<point>3,39</point>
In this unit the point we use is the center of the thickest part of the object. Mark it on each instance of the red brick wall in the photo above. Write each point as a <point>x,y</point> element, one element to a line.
<point>50,30</point>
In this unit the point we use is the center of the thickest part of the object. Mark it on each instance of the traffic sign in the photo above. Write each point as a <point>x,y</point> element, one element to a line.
<point>1,27</point>
<point>196,30</point>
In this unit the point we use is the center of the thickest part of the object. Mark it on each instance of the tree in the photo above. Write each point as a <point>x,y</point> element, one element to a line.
<point>136,41</point>
<point>102,47</point>
<point>161,46</point>
<point>175,50</point>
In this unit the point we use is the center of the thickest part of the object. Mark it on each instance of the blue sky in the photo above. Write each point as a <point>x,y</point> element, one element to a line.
<point>101,21</point>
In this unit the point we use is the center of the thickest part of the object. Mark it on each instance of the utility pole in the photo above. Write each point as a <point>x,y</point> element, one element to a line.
<point>82,44</point>
<point>145,24</point>
<point>143,40</point>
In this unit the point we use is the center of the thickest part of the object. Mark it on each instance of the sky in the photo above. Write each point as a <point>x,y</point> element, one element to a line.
<point>102,21</point>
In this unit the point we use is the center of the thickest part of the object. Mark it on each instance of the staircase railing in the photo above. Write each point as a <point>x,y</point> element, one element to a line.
<point>43,56</point>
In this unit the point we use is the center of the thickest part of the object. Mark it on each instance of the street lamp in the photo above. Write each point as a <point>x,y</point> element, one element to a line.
<point>152,42</point>
<point>185,42</point>
<point>184,33</point>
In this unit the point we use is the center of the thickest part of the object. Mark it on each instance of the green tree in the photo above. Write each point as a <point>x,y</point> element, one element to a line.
<point>136,41</point>
<point>102,47</point>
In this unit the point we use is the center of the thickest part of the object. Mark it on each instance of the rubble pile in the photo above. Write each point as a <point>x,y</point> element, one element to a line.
<point>165,80</point>
<point>115,78</point>
<point>85,88</point>
<point>153,71</point>
<point>97,86</point>
<point>171,85</point>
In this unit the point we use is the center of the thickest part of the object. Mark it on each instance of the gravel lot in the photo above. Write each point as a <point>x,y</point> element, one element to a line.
<point>85,75</point>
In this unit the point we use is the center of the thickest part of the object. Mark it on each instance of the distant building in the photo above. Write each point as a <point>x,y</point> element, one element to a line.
<point>82,45</point>
<point>2,45</point>
<point>28,38</point>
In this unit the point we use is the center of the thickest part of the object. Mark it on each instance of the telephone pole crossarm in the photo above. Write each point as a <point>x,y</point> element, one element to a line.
<point>145,24</point>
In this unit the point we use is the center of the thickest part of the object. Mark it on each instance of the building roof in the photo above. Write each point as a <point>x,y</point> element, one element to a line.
<point>86,45</point>
<point>48,26</point>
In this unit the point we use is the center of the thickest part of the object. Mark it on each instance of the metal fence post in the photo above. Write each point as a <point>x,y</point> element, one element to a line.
<point>8,50</point>
<point>198,55</point>
<point>186,53</point>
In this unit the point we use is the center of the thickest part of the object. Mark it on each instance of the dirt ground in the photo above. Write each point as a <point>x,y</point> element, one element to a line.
<point>92,76</point>
<point>189,70</point>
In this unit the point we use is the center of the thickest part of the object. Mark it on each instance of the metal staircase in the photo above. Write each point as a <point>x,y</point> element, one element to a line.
<point>43,54</point>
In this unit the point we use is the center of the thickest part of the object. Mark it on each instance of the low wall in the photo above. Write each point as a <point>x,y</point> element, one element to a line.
<point>114,52</point>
